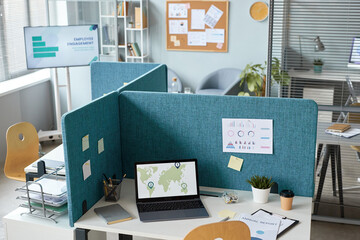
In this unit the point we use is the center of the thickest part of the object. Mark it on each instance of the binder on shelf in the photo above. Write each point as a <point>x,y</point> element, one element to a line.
<point>138,18</point>
<point>131,50</point>
<point>121,8</point>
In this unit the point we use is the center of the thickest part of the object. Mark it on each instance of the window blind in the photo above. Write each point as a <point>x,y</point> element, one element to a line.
<point>14,16</point>
<point>303,33</point>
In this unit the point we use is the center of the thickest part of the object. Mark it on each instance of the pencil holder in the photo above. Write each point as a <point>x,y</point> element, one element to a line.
<point>112,190</point>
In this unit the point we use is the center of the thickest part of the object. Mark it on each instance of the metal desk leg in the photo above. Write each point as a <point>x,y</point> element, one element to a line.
<point>81,234</point>
<point>125,237</point>
<point>318,154</point>
<point>322,178</point>
<point>339,174</point>
<point>333,169</point>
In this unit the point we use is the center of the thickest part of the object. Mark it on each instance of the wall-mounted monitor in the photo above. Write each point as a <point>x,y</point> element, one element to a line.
<point>355,51</point>
<point>61,46</point>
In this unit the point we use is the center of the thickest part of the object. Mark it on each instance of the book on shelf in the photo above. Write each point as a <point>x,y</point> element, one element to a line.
<point>121,8</point>
<point>131,50</point>
<point>338,127</point>
<point>136,48</point>
<point>113,213</point>
<point>106,38</point>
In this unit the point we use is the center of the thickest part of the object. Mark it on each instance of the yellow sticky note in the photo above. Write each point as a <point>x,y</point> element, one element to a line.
<point>100,145</point>
<point>85,142</point>
<point>177,43</point>
<point>226,213</point>
<point>173,38</point>
<point>235,163</point>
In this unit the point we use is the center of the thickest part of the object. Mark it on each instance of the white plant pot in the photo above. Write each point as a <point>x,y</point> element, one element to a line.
<point>260,195</point>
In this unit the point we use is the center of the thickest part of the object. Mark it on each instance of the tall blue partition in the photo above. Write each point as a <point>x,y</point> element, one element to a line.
<point>97,120</point>
<point>100,121</point>
<point>109,76</point>
<point>156,126</point>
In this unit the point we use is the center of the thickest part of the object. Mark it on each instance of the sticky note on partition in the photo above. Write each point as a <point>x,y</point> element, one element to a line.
<point>86,169</point>
<point>235,163</point>
<point>85,143</point>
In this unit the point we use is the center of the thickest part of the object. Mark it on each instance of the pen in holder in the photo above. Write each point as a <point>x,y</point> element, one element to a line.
<point>112,190</point>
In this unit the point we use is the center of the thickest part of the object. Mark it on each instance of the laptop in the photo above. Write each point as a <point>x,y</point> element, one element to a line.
<point>168,190</point>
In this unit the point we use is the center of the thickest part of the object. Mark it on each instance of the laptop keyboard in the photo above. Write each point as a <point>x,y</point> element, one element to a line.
<point>164,206</point>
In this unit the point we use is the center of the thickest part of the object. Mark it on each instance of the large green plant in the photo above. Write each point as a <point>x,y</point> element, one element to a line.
<point>253,75</point>
<point>260,182</point>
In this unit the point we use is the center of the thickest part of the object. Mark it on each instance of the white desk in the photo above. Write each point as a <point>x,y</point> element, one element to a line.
<point>176,230</point>
<point>326,75</point>
<point>56,154</point>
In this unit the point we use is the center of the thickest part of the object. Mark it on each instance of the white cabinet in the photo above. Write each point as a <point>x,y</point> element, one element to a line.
<point>124,30</point>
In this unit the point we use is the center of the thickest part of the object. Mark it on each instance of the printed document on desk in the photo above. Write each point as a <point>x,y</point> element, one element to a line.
<point>261,228</point>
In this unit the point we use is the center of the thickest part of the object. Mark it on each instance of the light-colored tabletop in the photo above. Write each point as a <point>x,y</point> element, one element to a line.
<point>176,230</point>
<point>326,75</point>
<point>327,138</point>
<point>56,154</point>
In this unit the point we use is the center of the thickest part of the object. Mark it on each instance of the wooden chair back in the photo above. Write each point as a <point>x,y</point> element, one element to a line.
<point>22,143</point>
<point>231,230</point>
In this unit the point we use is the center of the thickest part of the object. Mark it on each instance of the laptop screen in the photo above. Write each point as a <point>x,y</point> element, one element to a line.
<point>166,179</point>
<point>355,51</point>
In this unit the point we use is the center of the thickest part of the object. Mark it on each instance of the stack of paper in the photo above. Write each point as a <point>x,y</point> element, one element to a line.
<point>347,134</point>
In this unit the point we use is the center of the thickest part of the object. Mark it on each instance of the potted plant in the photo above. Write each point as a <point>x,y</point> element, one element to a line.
<point>260,186</point>
<point>279,75</point>
<point>253,76</point>
<point>318,63</point>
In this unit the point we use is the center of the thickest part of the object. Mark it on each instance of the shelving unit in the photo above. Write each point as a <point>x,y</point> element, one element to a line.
<point>117,20</point>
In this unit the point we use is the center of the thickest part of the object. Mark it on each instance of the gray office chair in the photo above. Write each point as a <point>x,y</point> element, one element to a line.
<point>171,75</point>
<point>224,81</point>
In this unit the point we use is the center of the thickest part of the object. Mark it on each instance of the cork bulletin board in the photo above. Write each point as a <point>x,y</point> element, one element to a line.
<point>197,25</point>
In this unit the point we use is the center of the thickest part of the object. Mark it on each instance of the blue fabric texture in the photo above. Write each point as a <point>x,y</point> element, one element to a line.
<point>157,126</point>
<point>99,119</point>
<point>109,76</point>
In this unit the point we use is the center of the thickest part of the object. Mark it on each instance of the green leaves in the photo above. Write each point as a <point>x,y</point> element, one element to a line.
<point>260,182</point>
<point>277,74</point>
<point>253,76</point>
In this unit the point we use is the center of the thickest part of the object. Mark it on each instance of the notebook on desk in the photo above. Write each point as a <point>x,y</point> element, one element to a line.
<point>168,190</point>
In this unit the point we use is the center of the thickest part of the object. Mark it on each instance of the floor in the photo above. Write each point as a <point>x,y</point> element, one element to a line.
<point>319,230</point>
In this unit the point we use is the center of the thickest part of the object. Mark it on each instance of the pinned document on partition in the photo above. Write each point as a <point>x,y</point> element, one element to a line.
<point>247,135</point>
<point>86,169</point>
<point>101,145</point>
<point>85,143</point>
<point>235,163</point>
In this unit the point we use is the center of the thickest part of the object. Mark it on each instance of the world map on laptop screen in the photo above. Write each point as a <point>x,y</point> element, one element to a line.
<point>173,179</point>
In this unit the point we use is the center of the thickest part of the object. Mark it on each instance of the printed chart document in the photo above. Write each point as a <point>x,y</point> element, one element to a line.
<point>215,35</point>
<point>178,10</point>
<point>197,19</point>
<point>212,16</point>
<point>178,26</point>
<point>197,39</point>
<point>260,228</point>
<point>247,135</point>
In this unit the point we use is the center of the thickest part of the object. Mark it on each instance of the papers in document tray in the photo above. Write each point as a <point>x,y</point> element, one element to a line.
<point>347,134</point>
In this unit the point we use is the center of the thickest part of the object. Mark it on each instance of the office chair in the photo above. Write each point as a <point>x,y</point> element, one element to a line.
<point>224,81</point>
<point>22,143</point>
<point>231,230</point>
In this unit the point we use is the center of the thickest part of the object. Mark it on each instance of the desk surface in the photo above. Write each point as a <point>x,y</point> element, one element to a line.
<point>326,138</point>
<point>176,230</point>
<point>326,75</point>
<point>56,154</point>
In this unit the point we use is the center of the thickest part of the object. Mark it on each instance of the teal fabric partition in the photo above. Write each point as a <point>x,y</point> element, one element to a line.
<point>156,126</point>
<point>109,76</point>
<point>100,120</point>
